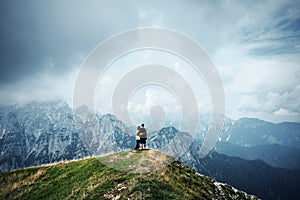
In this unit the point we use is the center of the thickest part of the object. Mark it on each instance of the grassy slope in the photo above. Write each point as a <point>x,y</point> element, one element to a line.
<point>92,179</point>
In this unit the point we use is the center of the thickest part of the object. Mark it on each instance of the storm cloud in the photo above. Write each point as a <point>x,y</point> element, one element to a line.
<point>50,36</point>
<point>254,44</point>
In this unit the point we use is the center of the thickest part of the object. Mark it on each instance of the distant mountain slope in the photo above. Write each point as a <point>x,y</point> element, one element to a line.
<point>252,176</point>
<point>91,179</point>
<point>252,132</point>
<point>273,154</point>
<point>251,138</point>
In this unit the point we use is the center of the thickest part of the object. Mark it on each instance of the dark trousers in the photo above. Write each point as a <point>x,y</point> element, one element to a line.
<point>137,146</point>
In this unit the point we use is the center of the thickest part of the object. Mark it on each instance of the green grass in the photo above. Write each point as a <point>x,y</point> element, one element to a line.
<point>141,175</point>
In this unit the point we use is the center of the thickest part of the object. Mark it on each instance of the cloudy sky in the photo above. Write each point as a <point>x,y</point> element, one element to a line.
<point>255,46</point>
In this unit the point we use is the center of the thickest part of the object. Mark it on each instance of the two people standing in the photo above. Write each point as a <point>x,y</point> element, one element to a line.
<point>141,137</point>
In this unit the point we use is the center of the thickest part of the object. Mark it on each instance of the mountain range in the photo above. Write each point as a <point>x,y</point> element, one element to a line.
<point>249,154</point>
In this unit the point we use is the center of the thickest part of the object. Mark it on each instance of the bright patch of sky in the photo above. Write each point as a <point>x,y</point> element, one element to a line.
<point>144,98</point>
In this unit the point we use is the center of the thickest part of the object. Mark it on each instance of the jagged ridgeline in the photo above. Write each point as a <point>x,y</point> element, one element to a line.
<point>92,179</point>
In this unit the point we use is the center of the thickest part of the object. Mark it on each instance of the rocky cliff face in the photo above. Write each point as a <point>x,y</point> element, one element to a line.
<point>38,133</point>
<point>102,134</point>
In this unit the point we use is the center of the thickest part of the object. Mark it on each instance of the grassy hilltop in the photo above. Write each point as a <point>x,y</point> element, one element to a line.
<point>125,175</point>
